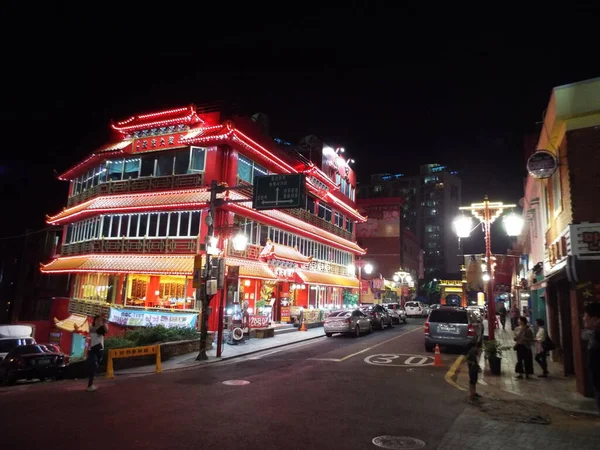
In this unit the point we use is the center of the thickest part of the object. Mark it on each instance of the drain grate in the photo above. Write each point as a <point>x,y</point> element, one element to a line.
<point>395,442</point>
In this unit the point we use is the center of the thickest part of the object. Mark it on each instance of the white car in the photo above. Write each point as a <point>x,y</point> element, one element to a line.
<point>416,309</point>
<point>397,313</point>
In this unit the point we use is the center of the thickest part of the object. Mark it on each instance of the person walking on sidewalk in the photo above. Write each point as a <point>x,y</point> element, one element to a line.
<point>540,351</point>
<point>591,322</point>
<point>514,317</point>
<point>523,341</point>
<point>97,331</point>
<point>502,313</point>
<point>474,370</point>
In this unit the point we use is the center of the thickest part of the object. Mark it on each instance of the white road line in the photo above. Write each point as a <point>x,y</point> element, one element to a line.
<point>381,343</point>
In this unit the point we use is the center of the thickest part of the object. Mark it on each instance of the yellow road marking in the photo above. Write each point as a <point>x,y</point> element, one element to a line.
<point>452,372</point>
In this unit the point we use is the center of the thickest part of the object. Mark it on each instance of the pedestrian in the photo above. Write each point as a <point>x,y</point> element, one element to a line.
<point>514,317</point>
<point>540,350</point>
<point>523,341</point>
<point>502,313</point>
<point>98,330</point>
<point>474,370</point>
<point>591,322</point>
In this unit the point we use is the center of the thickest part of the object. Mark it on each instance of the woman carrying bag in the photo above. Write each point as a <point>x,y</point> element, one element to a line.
<point>523,340</point>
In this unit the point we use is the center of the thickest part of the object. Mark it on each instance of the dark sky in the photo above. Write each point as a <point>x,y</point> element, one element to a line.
<point>397,88</point>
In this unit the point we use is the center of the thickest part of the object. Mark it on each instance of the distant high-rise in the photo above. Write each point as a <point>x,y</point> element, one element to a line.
<point>431,201</point>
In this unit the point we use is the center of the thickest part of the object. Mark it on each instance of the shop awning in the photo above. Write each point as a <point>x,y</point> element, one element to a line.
<point>119,263</point>
<point>328,279</point>
<point>129,203</point>
<point>283,253</point>
<point>73,320</point>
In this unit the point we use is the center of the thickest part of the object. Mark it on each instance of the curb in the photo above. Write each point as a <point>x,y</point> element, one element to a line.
<point>453,372</point>
<point>215,360</point>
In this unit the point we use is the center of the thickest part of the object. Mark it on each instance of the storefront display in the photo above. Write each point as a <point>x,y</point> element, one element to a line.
<point>135,318</point>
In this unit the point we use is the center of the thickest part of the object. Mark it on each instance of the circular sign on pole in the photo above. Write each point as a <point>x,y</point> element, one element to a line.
<point>542,164</point>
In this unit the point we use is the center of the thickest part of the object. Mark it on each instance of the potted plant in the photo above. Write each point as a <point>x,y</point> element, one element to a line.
<point>493,353</point>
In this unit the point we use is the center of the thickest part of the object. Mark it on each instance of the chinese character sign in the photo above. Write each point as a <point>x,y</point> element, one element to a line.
<point>134,318</point>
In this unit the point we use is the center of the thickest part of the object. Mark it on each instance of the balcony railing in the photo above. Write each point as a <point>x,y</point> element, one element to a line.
<point>134,246</point>
<point>304,215</point>
<point>135,185</point>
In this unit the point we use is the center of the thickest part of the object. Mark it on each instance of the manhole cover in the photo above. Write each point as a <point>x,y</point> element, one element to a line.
<point>236,382</point>
<point>405,442</point>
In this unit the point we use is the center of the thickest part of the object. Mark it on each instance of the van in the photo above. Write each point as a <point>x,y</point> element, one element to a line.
<point>12,336</point>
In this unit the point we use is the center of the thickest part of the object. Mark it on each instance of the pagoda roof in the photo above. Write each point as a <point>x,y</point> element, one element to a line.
<point>116,148</point>
<point>189,199</point>
<point>177,116</point>
<point>283,253</point>
<point>148,264</point>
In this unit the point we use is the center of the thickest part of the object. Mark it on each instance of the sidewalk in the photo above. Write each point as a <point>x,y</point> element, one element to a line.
<point>248,347</point>
<point>556,390</point>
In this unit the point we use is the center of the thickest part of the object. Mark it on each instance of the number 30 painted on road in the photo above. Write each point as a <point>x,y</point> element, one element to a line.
<point>387,359</point>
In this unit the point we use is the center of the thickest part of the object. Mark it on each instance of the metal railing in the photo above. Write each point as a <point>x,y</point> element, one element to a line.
<point>136,185</point>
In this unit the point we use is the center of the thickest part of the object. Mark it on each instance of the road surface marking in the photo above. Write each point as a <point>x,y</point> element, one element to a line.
<point>452,372</point>
<point>364,350</point>
<point>381,343</point>
<point>385,359</point>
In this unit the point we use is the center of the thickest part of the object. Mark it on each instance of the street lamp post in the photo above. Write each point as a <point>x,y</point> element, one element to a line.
<point>487,212</point>
<point>402,278</point>
<point>360,265</point>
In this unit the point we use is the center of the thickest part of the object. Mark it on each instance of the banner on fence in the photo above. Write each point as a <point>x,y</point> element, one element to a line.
<point>134,318</point>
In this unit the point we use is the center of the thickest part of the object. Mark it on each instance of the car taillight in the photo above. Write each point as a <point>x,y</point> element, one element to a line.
<point>471,330</point>
<point>427,327</point>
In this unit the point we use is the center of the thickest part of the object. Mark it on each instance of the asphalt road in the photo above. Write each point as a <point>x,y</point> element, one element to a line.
<point>330,393</point>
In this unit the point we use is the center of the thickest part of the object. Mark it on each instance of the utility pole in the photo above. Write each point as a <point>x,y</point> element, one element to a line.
<point>207,293</point>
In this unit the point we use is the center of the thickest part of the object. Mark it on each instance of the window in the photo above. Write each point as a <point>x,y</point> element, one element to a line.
<point>115,169</point>
<point>310,204</point>
<point>339,220</point>
<point>164,165</point>
<point>349,226</point>
<point>182,162</point>
<point>132,168</point>
<point>147,165</point>
<point>324,212</point>
<point>198,157</point>
<point>248,169</point>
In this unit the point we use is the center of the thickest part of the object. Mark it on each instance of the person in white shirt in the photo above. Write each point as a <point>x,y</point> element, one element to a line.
<point>540,353</point>
<point>98,329</point>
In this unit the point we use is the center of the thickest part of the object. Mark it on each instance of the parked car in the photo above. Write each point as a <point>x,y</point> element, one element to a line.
<point>396,312</point>
<point>378,314</point>
<point>33,361</point>
<point>452,326</point>
<point>416,309</point>
<point>348,322</point>
<point>12,336</point>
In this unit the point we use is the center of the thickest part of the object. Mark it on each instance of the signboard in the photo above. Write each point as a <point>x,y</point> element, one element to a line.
<point>585,240</point>
<point>197,274</point>
<point>135,318</point>
<point>542,164</point>
<point>311,316</point>
<point>257,321</point>
<point>158,142</point>
<point>278,192</point>
<point>286,314</point>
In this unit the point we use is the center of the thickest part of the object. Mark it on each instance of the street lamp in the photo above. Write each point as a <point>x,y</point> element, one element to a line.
<point>402,278</point>
<point>240,242</point>
<point>487,212</point>
<point>360,264</point>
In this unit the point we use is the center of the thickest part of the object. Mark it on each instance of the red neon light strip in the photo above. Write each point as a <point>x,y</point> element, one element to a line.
<point>269,155</point>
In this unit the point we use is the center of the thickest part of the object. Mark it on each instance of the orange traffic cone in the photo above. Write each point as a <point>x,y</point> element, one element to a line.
<point>437,362</point>
<point>302,326</point>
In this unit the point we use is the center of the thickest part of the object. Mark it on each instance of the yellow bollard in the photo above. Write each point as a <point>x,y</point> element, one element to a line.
<point>158,361</point>
<point>110,370</point>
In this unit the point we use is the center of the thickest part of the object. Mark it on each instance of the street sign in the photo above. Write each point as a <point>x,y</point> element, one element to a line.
<point>278,192</point>
<point>542,164</point>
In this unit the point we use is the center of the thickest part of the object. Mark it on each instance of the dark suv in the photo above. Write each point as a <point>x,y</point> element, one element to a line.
<point>452,326</point>
<point>378,314</point>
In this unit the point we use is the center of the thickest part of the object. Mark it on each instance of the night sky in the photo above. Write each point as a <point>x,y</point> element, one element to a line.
<point>395,87</point>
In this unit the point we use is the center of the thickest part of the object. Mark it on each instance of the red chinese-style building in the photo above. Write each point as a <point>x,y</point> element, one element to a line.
<point>135,219</point>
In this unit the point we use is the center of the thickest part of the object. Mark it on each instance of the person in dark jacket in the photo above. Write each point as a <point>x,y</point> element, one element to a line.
<point>502,312</point>
<point>591,322</point>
